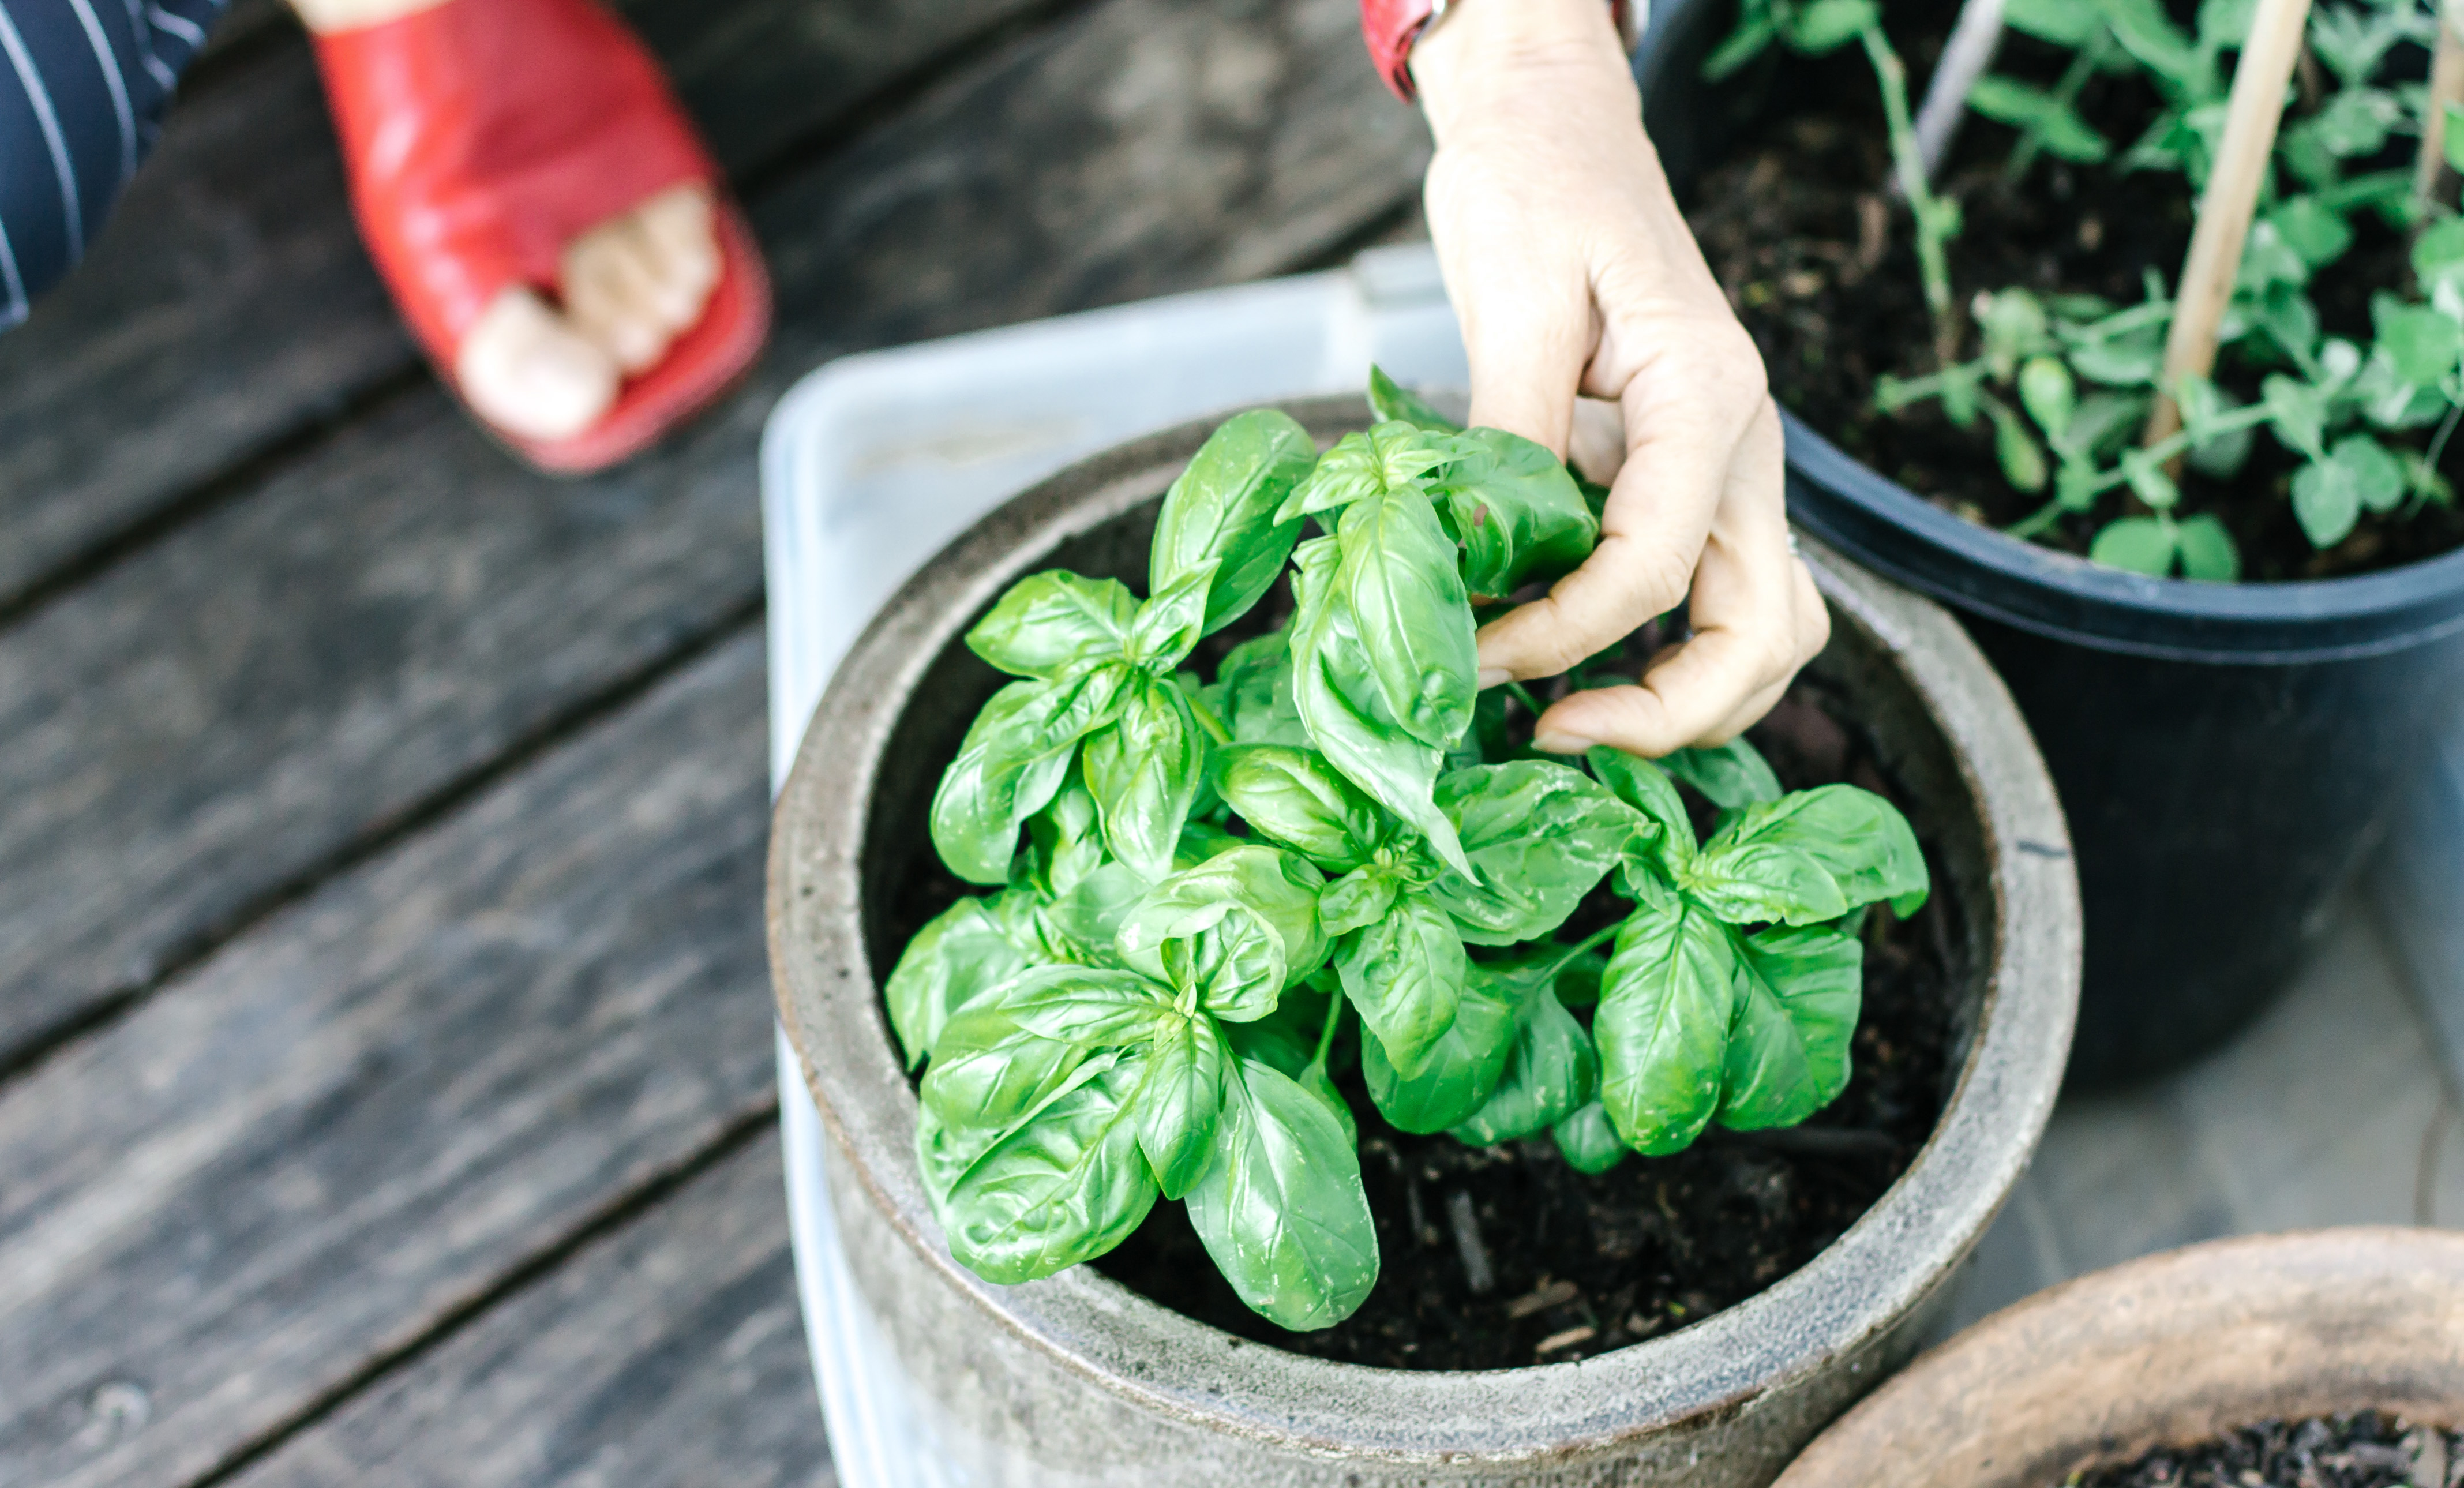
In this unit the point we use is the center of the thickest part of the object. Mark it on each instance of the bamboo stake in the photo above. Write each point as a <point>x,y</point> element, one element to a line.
<point>1965,56</point>
<point>2446,86</point>
<point>2242,161</point>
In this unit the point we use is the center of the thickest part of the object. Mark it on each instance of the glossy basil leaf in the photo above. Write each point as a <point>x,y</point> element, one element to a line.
<point>1413,616</point>
<point>1589,1142</point>
<point>1859,838</point>
<point>1168,624</point>
<point>1800,989</point>
<point>1050,623</point>
<point>1661,1026</point>
<point>1463,1067</point>
<point>1550,1072</point>
<point>1756,881</point>
<point>1143,772</point>
<point>1235,930</point>
<point>1540,836</point>
<point>1282,1211</point>
<point>1221,511</point>
<point>1390,400</point>
<point>1296,798</point>
<point>1732,776</point>
<point>1345,712</point>
<point>1515,510</point>
<point>1286,1037</point>
<point>1252,693</point>
<point>1080,926</point>
<point>1405,976</point>
<point>1009,1050</point>
<point>1013,761</point>
<point>1066,1187</point>
<point>959,953</point>
<point>1064,842</point>
<point>1362,897</point>
<point>1390,459</point>
<point>1180,1107</point>
<point>1643,785</point>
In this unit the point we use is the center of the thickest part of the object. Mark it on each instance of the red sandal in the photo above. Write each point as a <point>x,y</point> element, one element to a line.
<point>483,136</point>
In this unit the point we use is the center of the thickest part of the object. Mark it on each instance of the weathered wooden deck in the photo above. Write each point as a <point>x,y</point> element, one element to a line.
<point>384,1031</point>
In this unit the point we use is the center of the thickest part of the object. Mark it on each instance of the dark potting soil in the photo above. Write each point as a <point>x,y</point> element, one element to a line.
<point>2366,1450</point>
<point>1797,222</point>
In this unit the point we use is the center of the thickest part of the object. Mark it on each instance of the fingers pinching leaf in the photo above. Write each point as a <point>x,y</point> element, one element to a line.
<point>1661,1026</point>
<point>1048,623</point>
<point>1281,1211</point>
<point>1516,511</point>
<point>1222,510</point>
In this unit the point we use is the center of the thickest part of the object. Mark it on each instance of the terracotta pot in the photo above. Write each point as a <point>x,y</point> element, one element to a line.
<point>2169,1350</point>
<point>1076,1380</point>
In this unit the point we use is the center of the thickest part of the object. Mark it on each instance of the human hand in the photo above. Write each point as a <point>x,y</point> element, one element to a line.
<point>1574,271</point>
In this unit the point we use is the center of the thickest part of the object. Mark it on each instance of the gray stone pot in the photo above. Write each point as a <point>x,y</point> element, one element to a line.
<point>2170,1349</point>
<point>1076,1380</point>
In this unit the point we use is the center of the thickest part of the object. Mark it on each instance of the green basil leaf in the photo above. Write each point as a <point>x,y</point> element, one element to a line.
<point>1013,761</point>
<point>1407,601</point>
<point>1050,623</point>
<point>2208,553</point>
<point>1361,897</point>
<point>1541,836</point>
<point>1816,27</point>
<point>1463,1067</point>
<point>2066,23</point>
<point>1589,1142</point>
<point>1143,772</point>
<point>1800,989</point>
<point>1405,975</point>
<point>1064,1187</point>
<point>961,952</point>
<point>2136,545</point>
<point>1064,842</point>
<point>1011,1049</point>
<point>1662,1025</point>
<point>1390,457</point>
<point>1168,624</point>
<point>1236,929</point>
<point>1859,838</point>
<point>1281,1211</point>
<point>1752,882</point>
<point>1516,512</point>
<point>1345,712</point>
<point>1252,693</point>
<point>1641,783</point>
<point>1080,926</point>
<point>1221,511</point>
<point>1732,776</point>
<point>1180,1107</point>
<point>1550,1072</point>
<point>1296,798</point>
<point>1390,401</point>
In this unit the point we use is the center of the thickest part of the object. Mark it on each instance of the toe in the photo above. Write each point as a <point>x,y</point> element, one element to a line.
<point>523,369</point>
<point>680,223</point>
<point>611,286</point>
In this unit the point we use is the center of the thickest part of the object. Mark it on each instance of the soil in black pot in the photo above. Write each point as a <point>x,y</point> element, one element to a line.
<point>1797,221</point>
<point>2366,1450</point>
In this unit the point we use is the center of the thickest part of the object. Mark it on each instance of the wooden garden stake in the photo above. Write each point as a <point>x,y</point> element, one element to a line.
<point>2242,162</point>
<point>1964,57</point>
<point>2446,86</point>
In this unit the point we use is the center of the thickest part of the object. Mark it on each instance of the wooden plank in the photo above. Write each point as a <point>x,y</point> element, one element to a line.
<point>355,1122</point>
<point>229,307</point>
<point>219,717</point>
<point>671,1353</point>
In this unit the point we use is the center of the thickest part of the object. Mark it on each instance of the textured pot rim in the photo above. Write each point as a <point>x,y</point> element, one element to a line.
<point>2253,1298</point>
<point>1848,1296</point>
<point>2062,595</point>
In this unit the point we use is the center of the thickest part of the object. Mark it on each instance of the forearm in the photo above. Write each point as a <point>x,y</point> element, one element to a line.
<point>1488,57</point>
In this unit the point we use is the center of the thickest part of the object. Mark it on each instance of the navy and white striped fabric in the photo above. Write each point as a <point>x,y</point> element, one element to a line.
<point>82,85</point>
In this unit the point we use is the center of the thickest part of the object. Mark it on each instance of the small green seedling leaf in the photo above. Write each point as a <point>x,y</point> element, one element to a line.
<point>2208,553</point>
<point>2139,544</point>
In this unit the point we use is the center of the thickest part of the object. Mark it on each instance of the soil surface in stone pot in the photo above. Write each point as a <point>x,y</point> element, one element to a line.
<point>2366,1450</point>
<point>1799,224</point>
<point>1506,1256</point>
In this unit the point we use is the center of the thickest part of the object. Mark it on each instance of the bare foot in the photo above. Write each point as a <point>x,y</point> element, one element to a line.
<point>630,286</point>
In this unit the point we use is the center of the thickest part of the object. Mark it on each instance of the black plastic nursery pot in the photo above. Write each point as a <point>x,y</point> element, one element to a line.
<point>2229,754</point>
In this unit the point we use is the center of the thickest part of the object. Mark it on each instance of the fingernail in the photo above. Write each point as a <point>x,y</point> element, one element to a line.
<point>1492,677</point>
<point>1563,743</point>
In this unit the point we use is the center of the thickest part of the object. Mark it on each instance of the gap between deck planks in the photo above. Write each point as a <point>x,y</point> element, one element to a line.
<point>227,309</point>
<point>234,711</point>
<point>291,1166</point>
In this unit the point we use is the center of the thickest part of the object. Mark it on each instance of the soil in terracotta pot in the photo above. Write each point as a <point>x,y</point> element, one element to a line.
<point>2365,1451</point>
<point>1506,1256</point>
<point>1797,223</point>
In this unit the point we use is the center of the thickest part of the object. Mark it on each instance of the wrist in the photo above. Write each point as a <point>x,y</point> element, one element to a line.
<point>1487,52</point>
